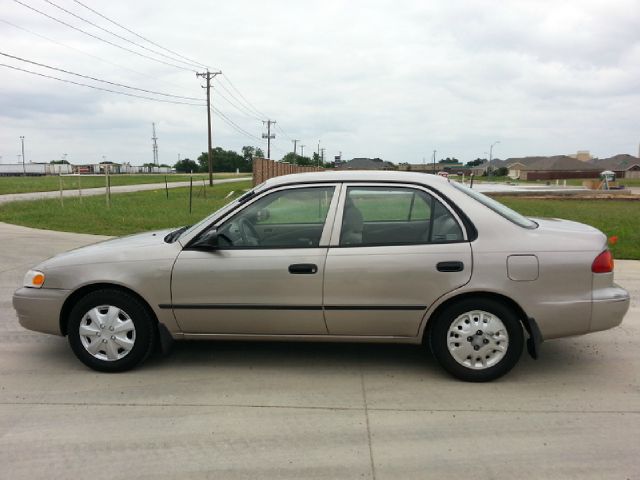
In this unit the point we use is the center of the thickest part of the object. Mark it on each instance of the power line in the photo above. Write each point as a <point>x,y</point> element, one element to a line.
<point>234,125</point>
<point>102,39</point>
<point>238,106</point>
<point>82,51</point>
<point>283,132</point>
<point>100,88</point>
<point>119,36</point>
<point>262,115</point>
<point>139,36</point>
<point>98,79</point>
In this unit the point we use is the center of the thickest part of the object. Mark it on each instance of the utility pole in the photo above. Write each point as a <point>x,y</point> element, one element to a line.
<point>491,156</point>
<point>302,150</point>
<point>24,168</point>
<point>322,155</point>
<point>155,145</point>
<point>208,76</point>
<point>434,162</point>
<point>295,143</point>
<point>269,136</point>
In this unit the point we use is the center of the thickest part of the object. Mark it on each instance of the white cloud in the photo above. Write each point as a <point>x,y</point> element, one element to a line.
<point>375,78</point>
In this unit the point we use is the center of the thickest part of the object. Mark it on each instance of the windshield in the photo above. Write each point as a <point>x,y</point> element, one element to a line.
<point>497,207</point>
<point>215,214</point>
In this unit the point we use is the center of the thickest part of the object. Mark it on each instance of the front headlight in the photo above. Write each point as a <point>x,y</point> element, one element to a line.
<point>34,279</point>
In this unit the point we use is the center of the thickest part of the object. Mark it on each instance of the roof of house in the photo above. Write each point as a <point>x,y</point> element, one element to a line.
<point>556,162</point>
<point>622,161</point>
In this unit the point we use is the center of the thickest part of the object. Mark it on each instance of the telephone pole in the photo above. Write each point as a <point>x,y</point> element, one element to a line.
<point>209,76</point>
<point>269,136</point>
<point>155,145</point>
<point>295,143</point>
<point>322,155</point>
<point>302,150</point>
<point>434,162</point>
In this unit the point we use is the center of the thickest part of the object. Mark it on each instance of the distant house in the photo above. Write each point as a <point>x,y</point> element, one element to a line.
<point>624,166</point>
<point>515,170</point>
<point>365,164</point>
<point>430,167</point>
<point>550,168</point>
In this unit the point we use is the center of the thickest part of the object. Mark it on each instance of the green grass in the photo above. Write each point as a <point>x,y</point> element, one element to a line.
<point>613,217</point>
<point>52,182</point>
<point>129,212</point>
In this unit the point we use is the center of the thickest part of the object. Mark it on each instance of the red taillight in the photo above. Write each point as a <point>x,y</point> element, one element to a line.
<point>603,263</point>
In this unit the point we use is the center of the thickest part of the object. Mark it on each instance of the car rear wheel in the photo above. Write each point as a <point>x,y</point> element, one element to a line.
<point>477,340</point>
<point>111,331</point>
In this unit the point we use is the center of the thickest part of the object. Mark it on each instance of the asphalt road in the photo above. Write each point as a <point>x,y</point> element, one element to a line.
<point>275,410</point>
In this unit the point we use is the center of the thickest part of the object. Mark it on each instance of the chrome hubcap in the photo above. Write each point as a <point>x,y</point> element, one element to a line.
<point>107,333</point>
<point>477,340</point>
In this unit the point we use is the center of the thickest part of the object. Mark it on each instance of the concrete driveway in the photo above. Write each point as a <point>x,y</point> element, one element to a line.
<point>251,410</point>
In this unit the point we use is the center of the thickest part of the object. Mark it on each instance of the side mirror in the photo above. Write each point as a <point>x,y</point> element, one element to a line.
<point>208,241</point>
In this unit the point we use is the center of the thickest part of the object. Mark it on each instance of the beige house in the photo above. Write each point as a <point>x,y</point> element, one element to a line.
<point>515,170</point>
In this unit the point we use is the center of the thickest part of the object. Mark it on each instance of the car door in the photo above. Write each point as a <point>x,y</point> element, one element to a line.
<point>395,249</point>
<point>265,276</point>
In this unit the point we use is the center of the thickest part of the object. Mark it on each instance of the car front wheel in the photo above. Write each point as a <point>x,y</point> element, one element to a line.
<point>111,331</point>
<point>477,340</point>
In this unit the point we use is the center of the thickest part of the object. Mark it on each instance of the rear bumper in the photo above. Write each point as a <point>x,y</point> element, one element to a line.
<point>39,309</point>
<point>609,307</point>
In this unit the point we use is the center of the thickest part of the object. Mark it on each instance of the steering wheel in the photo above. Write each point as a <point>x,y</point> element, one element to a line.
<point>248,233</point>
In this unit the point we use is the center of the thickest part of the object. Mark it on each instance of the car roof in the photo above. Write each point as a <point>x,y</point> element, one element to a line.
<point>356,176</point>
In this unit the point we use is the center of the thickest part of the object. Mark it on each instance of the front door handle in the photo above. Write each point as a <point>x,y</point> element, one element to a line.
<point>303,268</point>
<point>450,266</point>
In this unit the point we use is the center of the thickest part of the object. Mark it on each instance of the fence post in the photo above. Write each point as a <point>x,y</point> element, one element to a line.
<point>107,185</point>
<point>190,193</point>
<point>61,196</point>
<point>166,187</point>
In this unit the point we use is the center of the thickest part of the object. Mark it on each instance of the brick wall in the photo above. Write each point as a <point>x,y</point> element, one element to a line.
<point>264,169</point>
<point>557,174</point>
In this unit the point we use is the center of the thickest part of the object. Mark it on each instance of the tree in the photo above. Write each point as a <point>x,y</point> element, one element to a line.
<point>59,162</point>
<point>476,162</point>
<point>186,166</point>
<point>249,152</point>
<point>224,161</point>
<point>449,160</point>
<point>296,159</point>
<point>501,172</point>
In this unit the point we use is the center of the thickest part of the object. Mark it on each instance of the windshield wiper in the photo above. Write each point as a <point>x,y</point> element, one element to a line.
<point>173,236</point>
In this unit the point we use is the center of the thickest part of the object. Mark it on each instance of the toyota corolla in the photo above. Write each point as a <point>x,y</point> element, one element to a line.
<point>336,256</point>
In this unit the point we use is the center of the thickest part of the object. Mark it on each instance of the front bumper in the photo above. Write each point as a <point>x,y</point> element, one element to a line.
<point>609,307</point>
<point>39,309</point>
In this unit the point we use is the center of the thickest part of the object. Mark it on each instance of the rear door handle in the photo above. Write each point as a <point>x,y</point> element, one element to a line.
<point>450,266</point>
<point>303,268</point>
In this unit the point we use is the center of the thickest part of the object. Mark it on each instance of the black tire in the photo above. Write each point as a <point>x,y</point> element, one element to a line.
<point>145,329</point>
<point>439,339</point>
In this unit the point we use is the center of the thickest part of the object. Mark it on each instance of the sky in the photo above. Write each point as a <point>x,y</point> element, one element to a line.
<point>389,79</point>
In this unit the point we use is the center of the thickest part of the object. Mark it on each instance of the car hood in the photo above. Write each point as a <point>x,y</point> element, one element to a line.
<point>139,247</point>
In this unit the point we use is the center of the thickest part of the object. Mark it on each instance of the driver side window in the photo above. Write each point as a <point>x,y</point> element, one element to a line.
<point>292,218</point>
